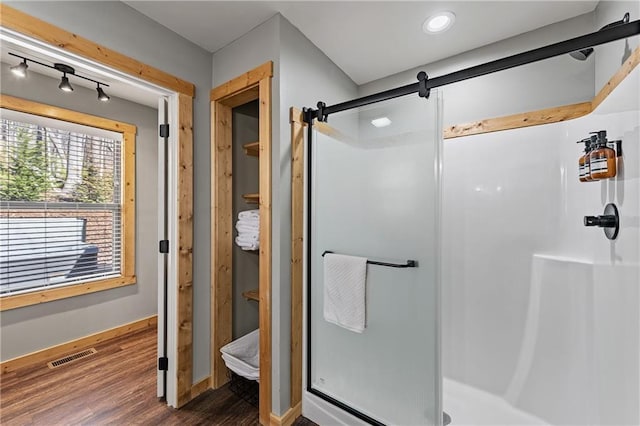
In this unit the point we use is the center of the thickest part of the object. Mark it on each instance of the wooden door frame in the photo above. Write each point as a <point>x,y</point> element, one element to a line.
<point>38,29</point>
<point>250,86</point>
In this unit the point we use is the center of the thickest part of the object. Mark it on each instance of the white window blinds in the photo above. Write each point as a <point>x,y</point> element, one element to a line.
<point>60,203</point>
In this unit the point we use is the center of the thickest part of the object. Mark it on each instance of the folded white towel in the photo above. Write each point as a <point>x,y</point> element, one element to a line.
<point>249,214</point>
<point>247,228</point>
<point>248,245</point>
<point>247,238</point>
<point>344,291</point>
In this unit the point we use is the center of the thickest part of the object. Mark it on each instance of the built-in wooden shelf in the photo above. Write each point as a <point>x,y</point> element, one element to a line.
<point>252,295</point>
<point>252,149</point>
<point>251,198</point>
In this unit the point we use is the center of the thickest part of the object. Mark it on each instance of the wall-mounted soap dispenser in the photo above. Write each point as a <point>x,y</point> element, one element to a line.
<point>602,158</point>
<point>584,163</point>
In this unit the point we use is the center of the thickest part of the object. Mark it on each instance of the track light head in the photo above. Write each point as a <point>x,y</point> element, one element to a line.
<point>582,55</point>
<point>20,70</point>
<point>65,85</point>
<point>101,95</point>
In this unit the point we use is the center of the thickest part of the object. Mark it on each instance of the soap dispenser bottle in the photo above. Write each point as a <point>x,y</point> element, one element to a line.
<point>602,158</point>
<point>584,162</point>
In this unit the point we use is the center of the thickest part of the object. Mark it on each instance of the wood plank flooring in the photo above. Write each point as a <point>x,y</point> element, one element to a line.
<point>116,386</point>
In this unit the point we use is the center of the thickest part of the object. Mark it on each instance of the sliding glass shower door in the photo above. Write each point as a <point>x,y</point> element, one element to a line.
<point>375,193</point>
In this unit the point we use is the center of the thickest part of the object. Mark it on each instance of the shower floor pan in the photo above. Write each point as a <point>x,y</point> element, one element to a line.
<point>242,356</point>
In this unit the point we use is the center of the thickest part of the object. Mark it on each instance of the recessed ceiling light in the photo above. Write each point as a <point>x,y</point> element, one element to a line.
<point>439,22</point>
<point>381,122</point>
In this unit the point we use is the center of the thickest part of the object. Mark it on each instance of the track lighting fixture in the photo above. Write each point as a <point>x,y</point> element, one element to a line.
<point>21,71</point>
<point>101,95</point>
<point>65,86</point>
<point>583,54</point>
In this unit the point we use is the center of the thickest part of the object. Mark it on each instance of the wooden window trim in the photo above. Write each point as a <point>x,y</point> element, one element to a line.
<point>127,268</point>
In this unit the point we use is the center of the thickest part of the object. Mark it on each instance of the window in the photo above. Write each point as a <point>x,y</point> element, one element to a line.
<point>66,203</point>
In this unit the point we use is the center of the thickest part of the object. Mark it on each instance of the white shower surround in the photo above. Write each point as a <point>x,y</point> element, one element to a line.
<point>541,316</point>
<point>538,310</point>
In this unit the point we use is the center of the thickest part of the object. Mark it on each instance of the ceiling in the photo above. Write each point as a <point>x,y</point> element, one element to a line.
<point>368,40</point>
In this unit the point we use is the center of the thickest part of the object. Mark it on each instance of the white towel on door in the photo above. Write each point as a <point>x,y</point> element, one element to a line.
<point>344,291</point>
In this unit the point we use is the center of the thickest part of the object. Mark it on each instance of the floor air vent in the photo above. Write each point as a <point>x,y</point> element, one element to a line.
<point>71,358</point>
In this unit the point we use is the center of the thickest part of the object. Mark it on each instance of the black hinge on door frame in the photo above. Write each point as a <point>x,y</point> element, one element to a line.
<point>164,130</point>
<point>163,363</point>
<point>164,246</point>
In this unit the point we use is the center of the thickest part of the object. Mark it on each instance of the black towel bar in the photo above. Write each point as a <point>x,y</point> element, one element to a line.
<point>409,264</point>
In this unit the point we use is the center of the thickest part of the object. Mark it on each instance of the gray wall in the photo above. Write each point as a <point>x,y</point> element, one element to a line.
<point>307,76</point>
<point>302,75</point>
<point>246,179</point>
<point>27,329</point>
<point>119,27</point>
<point>609,57</point>
<point>557,81</point>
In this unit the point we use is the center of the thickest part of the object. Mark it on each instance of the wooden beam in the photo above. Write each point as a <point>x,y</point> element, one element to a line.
<point>221,238</point>
<point>632,61</point>
<point>16,20</point>
<point>185,250</point>
<point>516,121</point>
<point>44,355</point>
<point>297,241</point>
<point>242,83</point>
<point>265,248</point>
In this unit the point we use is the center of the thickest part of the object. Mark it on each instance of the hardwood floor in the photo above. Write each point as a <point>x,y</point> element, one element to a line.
<point>115,386</point>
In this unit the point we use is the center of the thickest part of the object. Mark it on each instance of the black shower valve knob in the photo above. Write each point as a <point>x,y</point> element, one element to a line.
<point>609,221</point>
<point>604,221</point>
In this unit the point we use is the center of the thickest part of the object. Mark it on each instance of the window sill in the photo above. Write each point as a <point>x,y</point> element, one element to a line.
<point>43,296</point>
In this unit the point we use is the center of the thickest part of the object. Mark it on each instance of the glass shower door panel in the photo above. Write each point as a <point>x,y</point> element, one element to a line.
<point>378,196</point>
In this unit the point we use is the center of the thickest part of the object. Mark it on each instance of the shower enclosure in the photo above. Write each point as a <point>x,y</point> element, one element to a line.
<point>539,314</point>
<point>375,193</point>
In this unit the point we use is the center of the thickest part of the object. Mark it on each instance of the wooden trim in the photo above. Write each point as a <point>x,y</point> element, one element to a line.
<point>201,387</point>
<point>547,115</point>
<point>16,20</point>
<point>51,111</point>
<point>242,83</point>
<point>221,239</point>
<point>45,355</point>
<point>265,248</point>
<point>297,245</point>
<point>128,226</point>
<point>288,418</point>
<point>632,61</point>
<point>185,250</point>
<point>516,121</point>
<point>43,296</point>
<point>255,84</point>
<point>128,230</point>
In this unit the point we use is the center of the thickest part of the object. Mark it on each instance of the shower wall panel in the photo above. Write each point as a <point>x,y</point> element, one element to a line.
<point>539,310</point>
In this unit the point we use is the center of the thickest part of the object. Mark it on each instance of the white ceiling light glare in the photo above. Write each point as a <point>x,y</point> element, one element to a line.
<point>439,22</point>
<point>381,122</point>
